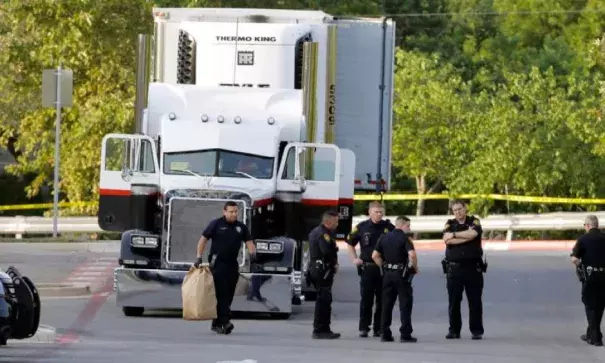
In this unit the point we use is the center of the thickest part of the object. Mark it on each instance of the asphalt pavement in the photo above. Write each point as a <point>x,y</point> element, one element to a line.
<point>532,313</point>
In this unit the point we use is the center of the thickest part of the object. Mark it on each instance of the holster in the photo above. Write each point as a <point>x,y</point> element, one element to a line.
<point>483,266</point>
<point>408,274</point>
<point>581,272</point>
<point>444,266</point>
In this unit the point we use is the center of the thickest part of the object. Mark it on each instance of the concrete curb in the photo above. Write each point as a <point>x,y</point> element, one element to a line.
<point>45,335</point>
<point>438,245</point>
<point>62,289</point>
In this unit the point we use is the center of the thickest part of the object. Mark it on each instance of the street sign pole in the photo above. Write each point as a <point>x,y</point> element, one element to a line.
<point>57,155</point>
<point>57,90</point>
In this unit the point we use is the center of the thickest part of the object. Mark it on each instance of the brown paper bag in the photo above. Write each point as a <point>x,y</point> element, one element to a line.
<point>199,296</point>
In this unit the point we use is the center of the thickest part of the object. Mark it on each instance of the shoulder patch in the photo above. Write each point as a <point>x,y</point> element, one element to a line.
<point>476,222</point>
<point>447,225</point>
<point>386,230</point>
<point>327,237</point>
<point>354,230</point>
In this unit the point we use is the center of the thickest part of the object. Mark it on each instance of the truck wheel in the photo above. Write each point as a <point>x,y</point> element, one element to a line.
<point>133,310</point>
<point>282,316</point>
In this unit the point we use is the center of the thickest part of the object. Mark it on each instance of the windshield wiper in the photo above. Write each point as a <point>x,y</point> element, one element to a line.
<point>241,173</point>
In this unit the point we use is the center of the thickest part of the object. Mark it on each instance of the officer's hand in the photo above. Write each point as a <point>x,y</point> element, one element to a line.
<point>253,257</point>
<point>357,262</point>
<point>447,236</point>
<point>197,262</point>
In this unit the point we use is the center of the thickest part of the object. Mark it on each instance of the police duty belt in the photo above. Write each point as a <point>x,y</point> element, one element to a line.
<point>394,266</point>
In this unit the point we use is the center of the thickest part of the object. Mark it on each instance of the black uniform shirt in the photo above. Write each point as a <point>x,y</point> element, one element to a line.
<point>590,248</point>
<point>367,233</point>
<point>394,247</point>
<point>322,245</point>
<point>471,250</point>
<point>227,239</point>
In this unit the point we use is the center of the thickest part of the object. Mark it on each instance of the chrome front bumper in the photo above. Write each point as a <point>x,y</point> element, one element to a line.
<point>161,289</point>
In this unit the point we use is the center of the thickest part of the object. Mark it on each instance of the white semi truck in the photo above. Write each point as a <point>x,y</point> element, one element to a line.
<point>285,112</point>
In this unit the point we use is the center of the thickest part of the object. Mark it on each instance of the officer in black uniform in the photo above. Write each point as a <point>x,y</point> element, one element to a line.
<point>589,254</point>
<point>367,234</point>
<point>323,265</point>
<point>464,269</point>
<point>396,255</point>
<point>227,234</point>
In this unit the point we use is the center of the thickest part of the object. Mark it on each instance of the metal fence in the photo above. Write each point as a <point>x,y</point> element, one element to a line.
<point>19,226</point>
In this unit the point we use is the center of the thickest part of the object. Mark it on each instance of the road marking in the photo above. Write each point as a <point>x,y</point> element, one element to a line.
<point>94,272</point>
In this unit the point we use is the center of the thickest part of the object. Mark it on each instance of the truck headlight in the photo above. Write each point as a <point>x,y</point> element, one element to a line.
<point>144,241</point>
<point>269,247</point>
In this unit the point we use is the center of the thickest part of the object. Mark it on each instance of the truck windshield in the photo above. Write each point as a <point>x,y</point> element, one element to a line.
<point>219,163</point>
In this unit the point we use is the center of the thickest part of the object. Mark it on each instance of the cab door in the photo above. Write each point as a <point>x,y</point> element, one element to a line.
<point>311,172</point>
<point>125,159</point>
<point>307,185</point>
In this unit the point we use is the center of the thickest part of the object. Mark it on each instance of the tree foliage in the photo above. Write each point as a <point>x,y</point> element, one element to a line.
<point>491,96</point>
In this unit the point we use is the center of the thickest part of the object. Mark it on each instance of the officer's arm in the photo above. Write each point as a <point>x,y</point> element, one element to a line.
<point>377,253</point>
<point>206,236</point>
<point>469,234</point>
<point>577,252</point>
<point>352,240</point>
<point>409,246</point>
<point>249,242</point>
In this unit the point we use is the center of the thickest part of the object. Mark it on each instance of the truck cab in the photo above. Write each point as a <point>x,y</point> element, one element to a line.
<point>244,105</point>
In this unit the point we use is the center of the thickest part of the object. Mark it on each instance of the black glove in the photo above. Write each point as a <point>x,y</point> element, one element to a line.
<point>197,262</point>
<point>253,257</point>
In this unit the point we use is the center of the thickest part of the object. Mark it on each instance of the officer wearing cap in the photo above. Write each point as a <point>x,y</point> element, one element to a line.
<point>464,269</point>
<point>323,265</point>
<point>589,253</point>
<point>366,234</point>
<point>396,255</point>
<point>227,235</point>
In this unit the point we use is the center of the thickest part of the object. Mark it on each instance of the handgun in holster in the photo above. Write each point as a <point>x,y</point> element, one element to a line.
<point>483,265</point>
<point>581,272</point>
<point>444,263</point>
<point>408,273</point>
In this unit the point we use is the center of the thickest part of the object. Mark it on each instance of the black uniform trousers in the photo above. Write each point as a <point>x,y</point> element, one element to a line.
<point>466,276</point>
<point>593,297</point>
<point>394,286</point>
<point>225,280</point>
<point>323,281</point>
<point>371,288</point>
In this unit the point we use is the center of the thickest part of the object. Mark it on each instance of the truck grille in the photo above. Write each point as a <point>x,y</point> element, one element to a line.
<point>188,219</point>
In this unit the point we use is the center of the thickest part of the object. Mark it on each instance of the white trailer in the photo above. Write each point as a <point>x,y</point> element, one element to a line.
<point>285,112</point>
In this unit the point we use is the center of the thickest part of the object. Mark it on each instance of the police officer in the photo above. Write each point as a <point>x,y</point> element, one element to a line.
<point>395,253</point>
<point>464,269</point>
<point>367,234</point>
<point>323,265</point>
<point>589,253</point>
<point>227,234</point>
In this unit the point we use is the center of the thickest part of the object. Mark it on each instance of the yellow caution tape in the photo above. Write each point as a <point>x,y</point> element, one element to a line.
<point>45,205</point>
<point>510,198</point>
<point>368,197</point>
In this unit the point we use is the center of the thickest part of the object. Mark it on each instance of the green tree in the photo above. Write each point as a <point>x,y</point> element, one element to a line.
<point>97,41</point>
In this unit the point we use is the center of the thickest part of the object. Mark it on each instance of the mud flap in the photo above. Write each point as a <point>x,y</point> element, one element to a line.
<point>26,313</point>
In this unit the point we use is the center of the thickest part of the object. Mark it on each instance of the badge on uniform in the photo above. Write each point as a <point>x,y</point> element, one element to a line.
<point>327,237</point>
<point>238,229</point>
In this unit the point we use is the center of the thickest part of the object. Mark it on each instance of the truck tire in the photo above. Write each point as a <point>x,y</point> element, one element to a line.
<point>133,310</point>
